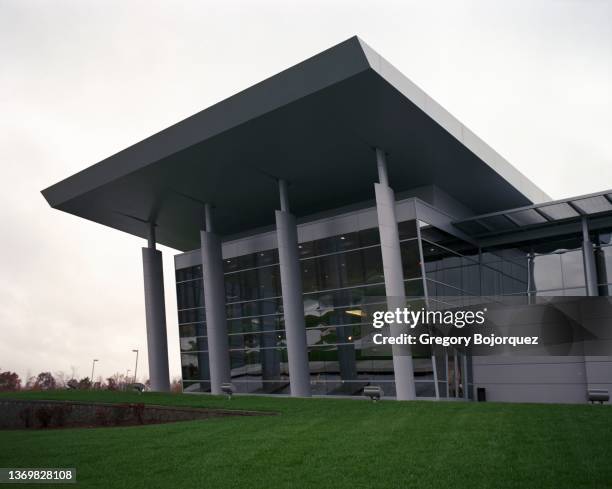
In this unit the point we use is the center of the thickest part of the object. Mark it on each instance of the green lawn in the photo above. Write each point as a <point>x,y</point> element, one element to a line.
<point>331,443</point>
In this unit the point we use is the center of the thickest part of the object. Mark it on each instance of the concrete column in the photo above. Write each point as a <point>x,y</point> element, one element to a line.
<point>155,312</point>
<point>214,303</point>
<point>394,277</point>
<point>588,256</point>
<point>293,303</point>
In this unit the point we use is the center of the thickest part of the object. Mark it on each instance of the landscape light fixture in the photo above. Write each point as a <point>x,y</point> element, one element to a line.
<point>228,389</point>
<point>136,366</point>
<point>93,366</point>
<point>374,392</point>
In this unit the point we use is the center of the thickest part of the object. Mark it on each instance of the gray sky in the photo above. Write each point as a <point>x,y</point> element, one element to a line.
<point>81,80</point>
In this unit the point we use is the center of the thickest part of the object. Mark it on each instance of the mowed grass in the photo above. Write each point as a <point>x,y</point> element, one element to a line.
<point>330,443</point>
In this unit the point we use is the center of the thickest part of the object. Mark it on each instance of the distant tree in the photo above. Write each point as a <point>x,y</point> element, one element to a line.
<point>84,383</point>
<point>44,381</point>
<point>111,384</point>
<point>9,381</point>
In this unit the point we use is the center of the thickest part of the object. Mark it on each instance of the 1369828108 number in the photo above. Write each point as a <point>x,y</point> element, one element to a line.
<point>40,475</point>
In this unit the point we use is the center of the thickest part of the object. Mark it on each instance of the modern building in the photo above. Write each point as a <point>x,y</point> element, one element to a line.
<point>321,190</point>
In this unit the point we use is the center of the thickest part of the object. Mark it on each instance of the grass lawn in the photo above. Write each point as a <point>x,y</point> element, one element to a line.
<point>330,443</point>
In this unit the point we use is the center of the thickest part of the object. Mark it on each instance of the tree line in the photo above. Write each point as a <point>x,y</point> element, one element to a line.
<point>11,382</point>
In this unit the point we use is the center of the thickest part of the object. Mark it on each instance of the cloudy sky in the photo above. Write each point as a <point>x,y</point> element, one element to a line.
<point>83,79</point>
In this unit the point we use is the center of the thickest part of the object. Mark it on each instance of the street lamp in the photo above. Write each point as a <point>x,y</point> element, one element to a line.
<point>93,365</point>
<point>136,367</point>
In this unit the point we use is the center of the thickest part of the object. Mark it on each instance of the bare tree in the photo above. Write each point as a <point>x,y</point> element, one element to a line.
<point>44,381</point>
<point>9,381</point>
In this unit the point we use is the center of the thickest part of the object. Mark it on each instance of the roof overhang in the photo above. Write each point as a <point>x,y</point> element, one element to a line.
<point>315,125</point>
<point>540,220</point>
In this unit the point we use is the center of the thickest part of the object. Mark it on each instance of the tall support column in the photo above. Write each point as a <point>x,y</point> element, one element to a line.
<point>394,277</point>
<point>214,303</point>
<point>155,312</point>
<point>293,303</point>
<point>588,256</point>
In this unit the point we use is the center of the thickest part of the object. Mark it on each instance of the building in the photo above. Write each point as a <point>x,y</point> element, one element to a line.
<point>325,187</point>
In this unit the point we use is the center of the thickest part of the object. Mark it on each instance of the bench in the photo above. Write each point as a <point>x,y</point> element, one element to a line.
<point>598,395</point>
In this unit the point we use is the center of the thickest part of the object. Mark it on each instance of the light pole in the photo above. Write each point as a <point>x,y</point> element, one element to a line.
<point>93,366</point>
<point>136,366</point>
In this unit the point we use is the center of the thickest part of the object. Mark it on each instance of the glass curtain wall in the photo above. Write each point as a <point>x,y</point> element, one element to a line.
<point>603,262</point>
<point>192,329</point>
<point>342,275</point>
<point>258,349</point>
<point>453,279</point>
<point>552,267</point>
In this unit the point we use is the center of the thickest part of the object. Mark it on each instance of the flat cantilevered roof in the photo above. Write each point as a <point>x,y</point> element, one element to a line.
<point>314,125</point>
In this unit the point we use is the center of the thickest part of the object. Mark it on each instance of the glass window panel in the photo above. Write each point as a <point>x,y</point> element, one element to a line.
<point>326,245</point>
<point>189,366</point>
<point>351,268</point>
<point>191,316</point>
<point>267,257</point>
<point>527,217</point>
<point>411,258</point>
<point>189,294</point>
<point>373,267</point>
<point>187,330</point>
<point>603,258</point>
<point>237,363</point>
<point>577,292</point>
<point>407,229</point>
<point>249,285</point>
<point>547,272</point>
<point>246,261</point>
<point>327,271</point>
<point>306,249</point>
<point>414,287</point>
<point>498,222</point>
<point>369,237</point>
<point>471,227</point>
<point>348,241</point>
<point>593,205</point>
<point>309,275</point>
<point>573,269</point>
<point>189,273</point>
<point>230,265</point>
<point>232,287</point>
<point>269,281</point>
<point>558,211</point>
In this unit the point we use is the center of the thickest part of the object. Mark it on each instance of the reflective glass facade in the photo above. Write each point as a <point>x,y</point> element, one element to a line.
<point>341,276</point>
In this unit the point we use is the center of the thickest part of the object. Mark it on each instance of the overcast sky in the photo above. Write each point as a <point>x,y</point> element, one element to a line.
<point>81,80</point>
